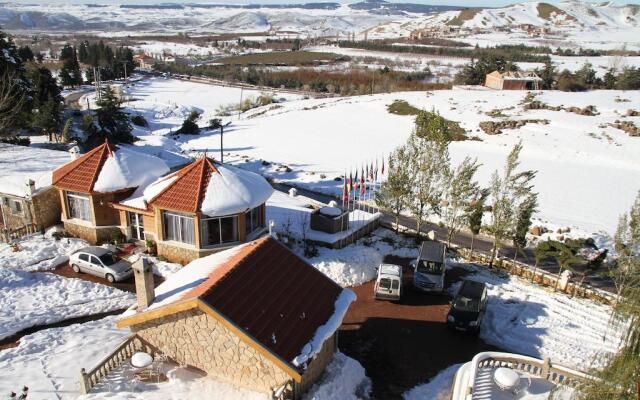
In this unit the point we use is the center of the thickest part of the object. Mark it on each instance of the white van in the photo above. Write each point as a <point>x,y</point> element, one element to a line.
<point>389,282</point>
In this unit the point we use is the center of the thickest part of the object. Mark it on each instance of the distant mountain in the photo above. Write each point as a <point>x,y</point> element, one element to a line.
<point>379,5</point>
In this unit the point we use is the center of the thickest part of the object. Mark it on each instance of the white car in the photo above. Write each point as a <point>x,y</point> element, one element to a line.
<point>389,282</point>
<point>100,262</point>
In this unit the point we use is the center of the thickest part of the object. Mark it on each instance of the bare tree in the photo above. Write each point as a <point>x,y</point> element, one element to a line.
<point>395,192</point>
<point>12,99</point>
<point>460,190</point>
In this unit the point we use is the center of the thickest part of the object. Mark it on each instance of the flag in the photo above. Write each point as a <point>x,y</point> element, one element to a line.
<point>375,174</point>
<point>345,193</point>
<point>371,172</point>
<point>356,183</point>
<point>382,171</point>
<point>367,172</point>
<point>363,186</point>
<point>350,181</point>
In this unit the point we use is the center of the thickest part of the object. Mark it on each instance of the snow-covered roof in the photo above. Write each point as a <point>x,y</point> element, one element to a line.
<point>211,188</point>
<point>126,168</point>
<point>21,163</point>
<point>108,168</point>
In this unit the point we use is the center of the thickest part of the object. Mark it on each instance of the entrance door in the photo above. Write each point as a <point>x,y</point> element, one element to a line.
<point>136,225</point>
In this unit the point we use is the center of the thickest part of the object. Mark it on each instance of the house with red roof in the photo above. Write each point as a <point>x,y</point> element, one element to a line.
<point>198,210</point>
<point>256,315</point>
<point>89,184</point>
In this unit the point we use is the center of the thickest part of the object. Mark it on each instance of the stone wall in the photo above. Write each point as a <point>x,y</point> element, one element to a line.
<point>317,366</point>
<point>93,235</point>
<point>196,339</point>
<point>177,254</point>
<point>47,208</point>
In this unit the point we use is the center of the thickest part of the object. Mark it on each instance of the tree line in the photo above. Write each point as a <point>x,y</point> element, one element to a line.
<point>586,78</point>
<point>422,181</point>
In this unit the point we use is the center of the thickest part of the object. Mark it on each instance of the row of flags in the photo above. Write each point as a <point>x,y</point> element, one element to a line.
<point>362,186</point>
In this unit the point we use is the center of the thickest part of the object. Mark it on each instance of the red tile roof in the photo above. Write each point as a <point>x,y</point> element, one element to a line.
<point>187,191</point>
<point>271,294</point>
<point>81,174</point>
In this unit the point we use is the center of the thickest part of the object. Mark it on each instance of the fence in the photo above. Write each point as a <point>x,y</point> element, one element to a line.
<point>540,276</point>
<point>7,235</point>
<point>367,228</point>
<point>89,379</point>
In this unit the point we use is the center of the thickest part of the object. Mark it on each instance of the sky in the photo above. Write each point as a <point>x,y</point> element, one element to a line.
<point>465,3</point>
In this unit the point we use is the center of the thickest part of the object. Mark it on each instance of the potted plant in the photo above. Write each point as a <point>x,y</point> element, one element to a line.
<point>152,247</point>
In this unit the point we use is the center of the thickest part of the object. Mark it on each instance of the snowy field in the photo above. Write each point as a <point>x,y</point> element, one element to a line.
<point>39,253</point>
<point>588,171</point>
<point>37,298</point>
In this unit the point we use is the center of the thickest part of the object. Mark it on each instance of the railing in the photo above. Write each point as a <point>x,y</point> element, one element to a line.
<point>540,276</point>
<point>464,385</point>
<point>89,379</point>
<point>7,235</point>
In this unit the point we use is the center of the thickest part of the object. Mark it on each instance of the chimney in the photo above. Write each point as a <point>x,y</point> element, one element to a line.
<point>143,273</point>
<point>31,187</point>
<point>75,152</point>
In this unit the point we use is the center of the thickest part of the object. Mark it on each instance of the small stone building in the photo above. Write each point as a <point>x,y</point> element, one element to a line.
<point>256,316</point>
<point>90,184</point>
<point>203,208</point>
<point>513,80</point>
<point>27,196</point>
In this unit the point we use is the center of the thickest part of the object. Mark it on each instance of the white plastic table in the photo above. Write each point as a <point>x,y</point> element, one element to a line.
<point>506,378</point>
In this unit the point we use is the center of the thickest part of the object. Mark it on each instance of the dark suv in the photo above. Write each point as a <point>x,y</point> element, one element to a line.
<point>468,307</point>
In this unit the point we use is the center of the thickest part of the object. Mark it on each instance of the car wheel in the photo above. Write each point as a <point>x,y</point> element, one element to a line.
<point>75,268</point>
<point>110,278</point>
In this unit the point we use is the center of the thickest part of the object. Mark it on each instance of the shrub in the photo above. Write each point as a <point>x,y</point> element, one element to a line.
<point>19,141</point>
<point>116,236</point>
<point>139,120</point>
<point>401,107</point>
<point>215,123</point>
<point>190,125</point>
<point>570,84</point>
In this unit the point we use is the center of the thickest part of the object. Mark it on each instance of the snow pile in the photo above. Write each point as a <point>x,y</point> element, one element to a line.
<point>38,253</point>
<point>344,378</point>
<point>36,298</point>
<point>126,168</point>
<point>232,190</point>
<point>145,193</point>
<point>325,331</point>
<point>20,163</point>
<point>330,211</point>
<point>356,264</point>
<point>438,388</point>
<point>527,319</point>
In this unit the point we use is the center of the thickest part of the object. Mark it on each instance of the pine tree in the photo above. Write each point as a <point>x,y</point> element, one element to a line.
<point>15,88</point>
<point>46,102</point>
<point>460,190</point>
<point>67,132</point>
<point>395,192</point>
<point>507,191</point>
<point>110,121</point>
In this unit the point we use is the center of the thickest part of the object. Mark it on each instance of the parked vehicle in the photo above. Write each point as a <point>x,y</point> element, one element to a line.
<point>389,282</point>
<point>468,306</point>
<point>429,268</point>
<point>100,262</point>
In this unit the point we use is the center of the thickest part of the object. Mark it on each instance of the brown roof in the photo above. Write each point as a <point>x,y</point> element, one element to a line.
<point>81,174</point>
<point>270,294</point>
<point>187,191</point>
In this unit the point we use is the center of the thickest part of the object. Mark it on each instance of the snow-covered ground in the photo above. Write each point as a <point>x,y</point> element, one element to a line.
<point>39,253</point>
<point>49,363</point>
<point>438,388</point>
<point>36,298</point>
<point>587,171</point>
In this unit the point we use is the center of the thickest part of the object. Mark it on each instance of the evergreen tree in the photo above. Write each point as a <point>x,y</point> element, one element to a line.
<point>67,132</point>
<point>507,192</point>
<point>548,76</point>
<point>460,190</point>
<point>609,80</point>
<point>523,222</point>
<point>475,211</point>
<point>190,124</point>
<point>395,192</point>
<point>15,88</point>
<point>110,121</point>
<point>629,79</point>
<point>70,74</point>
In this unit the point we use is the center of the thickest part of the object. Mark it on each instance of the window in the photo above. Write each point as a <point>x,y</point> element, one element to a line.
<point>94,261</point>
<point>253,220</point>
<point>84,257</point>
<point>179,227</point>
<point>219,230</point>
<point>79,206</point>
<point>108,259</point>
<point>16,206</point>
<point>429,267</point>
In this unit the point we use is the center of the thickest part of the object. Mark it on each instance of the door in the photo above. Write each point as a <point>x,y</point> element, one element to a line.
<point>136,224</point>
<point>96,266</point>
<point>83,262</point>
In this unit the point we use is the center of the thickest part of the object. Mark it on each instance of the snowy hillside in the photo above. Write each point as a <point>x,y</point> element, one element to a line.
<point>588,170</point>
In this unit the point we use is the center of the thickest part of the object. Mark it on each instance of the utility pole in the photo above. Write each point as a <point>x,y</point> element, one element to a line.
<point>221,143</point>
<point>240,105</point>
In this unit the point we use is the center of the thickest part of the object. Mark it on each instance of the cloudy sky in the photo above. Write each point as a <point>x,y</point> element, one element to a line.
<point>485,3</point>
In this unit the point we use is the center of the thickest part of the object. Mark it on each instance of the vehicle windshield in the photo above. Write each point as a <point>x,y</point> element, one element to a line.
<point>385,283</point>
<point>108,259</point>
<point>429,267</point>
<point>462,303</point>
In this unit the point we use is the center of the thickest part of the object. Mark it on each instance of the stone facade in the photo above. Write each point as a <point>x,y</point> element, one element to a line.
<point>92,234</point>
<point>43,210</point>
<point>197,339</point>
<point>177,253</point>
